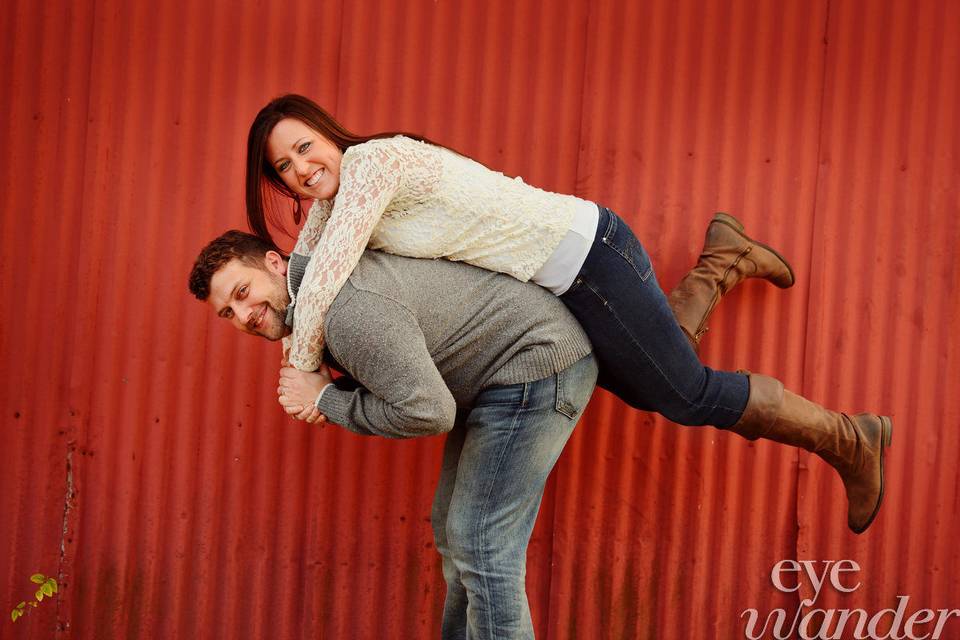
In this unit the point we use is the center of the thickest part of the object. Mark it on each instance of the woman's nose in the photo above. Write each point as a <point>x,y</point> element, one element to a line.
<point>301,166</point>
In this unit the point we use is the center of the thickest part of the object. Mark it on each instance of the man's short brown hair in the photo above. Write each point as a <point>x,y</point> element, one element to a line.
<point>233,244</point>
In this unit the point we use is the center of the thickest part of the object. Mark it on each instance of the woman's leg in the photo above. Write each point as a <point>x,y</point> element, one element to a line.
<point>729,256</point>
<point>646,360</point>
<point>644,355</point>
<point>853,445</point>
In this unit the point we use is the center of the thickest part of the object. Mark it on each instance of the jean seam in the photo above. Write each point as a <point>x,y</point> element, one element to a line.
<point>643,276</point>
<point>481,549</point>
<point>611,226</point>
<point>562,406</point>
<point>596,293</point>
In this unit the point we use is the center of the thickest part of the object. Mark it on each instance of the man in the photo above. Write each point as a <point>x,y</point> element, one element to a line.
<point>437,347</point>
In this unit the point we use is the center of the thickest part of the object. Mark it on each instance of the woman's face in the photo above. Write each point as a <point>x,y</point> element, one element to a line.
<point>307,162</point>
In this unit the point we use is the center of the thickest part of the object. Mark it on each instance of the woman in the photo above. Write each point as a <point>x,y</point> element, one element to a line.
<point>409,196</point>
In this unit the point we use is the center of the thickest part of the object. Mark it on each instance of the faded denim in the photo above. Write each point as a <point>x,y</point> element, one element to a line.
<point>495,466</point>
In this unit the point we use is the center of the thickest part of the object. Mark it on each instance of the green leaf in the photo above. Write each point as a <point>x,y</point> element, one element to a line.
<point>32,604</point>
<point>39,595</point>
<point>47,589</point>
<point>21,605</point>
<point>38,578</point>
<point>15,614</point>
<point>53,583</point>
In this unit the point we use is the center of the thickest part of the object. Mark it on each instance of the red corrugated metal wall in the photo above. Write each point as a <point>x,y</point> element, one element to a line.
<point>147,465</point>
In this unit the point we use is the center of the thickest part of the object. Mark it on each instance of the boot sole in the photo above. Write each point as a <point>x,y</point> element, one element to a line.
<point>886,438</point>
<point>736,225</point>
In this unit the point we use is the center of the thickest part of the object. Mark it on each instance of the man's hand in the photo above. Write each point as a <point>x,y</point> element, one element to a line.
<point>298,391</point>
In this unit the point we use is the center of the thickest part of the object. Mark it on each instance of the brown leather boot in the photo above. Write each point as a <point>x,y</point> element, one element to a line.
<point>729,256</point>
<point>853,445</point>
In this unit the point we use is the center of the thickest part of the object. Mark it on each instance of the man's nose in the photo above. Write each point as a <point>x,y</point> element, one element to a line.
<point>249,315</point>
<point>241,315</point>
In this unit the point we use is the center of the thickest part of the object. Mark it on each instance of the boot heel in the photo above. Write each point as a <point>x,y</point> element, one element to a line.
<point>887,430</point>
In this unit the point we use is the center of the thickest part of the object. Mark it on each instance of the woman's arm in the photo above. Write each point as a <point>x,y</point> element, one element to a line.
<point>369,180</point>
<point>313,228</point>
<point>382,346</point>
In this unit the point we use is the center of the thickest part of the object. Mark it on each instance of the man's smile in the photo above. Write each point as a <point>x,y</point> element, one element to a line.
<point>256,322</point>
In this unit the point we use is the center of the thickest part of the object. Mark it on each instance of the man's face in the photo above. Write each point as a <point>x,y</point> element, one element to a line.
<point>253,299</point>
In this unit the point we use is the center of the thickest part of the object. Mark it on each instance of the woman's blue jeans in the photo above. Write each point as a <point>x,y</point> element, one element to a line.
<point>495,465</point>
<point>643,354</point>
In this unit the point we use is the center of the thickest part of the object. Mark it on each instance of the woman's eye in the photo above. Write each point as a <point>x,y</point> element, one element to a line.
<point>242,293</point>
<point>282,166</point>
<point>303,148</point>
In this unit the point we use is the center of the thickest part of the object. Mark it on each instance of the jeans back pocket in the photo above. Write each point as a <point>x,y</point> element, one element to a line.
<point>620,238</point>
<point>565,404</point>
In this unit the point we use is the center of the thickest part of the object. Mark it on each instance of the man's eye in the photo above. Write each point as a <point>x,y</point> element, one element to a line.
<point>303,148</point>
<point>227,314</point>
<point>242,293</point>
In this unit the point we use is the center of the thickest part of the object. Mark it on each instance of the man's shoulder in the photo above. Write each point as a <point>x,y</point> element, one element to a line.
<point>363,317</point>
<point>372,288</point>
<point>382,272</point>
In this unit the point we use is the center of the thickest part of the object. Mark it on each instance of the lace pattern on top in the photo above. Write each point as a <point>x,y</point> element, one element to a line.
<point>419,200</point>
<point>371,175</point>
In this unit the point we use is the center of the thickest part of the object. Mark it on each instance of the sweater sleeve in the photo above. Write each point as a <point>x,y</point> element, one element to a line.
<point>381,345</point>
<point>369,180</point>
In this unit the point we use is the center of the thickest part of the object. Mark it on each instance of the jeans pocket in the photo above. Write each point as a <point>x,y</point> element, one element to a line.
<point>620,238</point>
<point>564,403</point>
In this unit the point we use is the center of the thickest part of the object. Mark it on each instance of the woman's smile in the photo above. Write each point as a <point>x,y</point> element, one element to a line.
<point>307,162</point>
<point>315,178</point>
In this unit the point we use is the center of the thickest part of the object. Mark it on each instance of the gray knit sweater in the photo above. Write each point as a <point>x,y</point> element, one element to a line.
<point>424,337</point>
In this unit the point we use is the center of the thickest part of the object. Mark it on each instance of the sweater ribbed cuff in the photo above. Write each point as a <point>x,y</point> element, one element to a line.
<point>316,402</point>
<point>335,404</point>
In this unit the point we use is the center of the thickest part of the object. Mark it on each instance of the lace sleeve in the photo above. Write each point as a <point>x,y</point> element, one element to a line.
<point>312,230</point>
<point>369,179</point>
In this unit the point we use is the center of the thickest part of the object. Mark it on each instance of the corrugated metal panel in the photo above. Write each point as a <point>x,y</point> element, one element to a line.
<point>45,56</point>
<point>201,512</point>
<point>883,305</point>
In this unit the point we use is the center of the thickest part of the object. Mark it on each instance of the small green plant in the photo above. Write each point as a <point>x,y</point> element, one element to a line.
<point>48,587</point>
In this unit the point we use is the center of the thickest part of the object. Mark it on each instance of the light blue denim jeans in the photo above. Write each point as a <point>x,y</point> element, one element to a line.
<point>495,466</point>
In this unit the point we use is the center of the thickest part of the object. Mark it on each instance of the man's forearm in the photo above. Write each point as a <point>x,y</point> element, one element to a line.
<point>361,412</point>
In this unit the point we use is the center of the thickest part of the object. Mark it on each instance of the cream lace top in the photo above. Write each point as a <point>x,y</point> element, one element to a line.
<point>415,199</point>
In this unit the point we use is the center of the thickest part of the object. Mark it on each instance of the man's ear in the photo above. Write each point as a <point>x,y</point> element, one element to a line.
<point>275,263</point>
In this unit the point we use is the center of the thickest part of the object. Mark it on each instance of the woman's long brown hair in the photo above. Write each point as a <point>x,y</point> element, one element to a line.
<point>262,175</point>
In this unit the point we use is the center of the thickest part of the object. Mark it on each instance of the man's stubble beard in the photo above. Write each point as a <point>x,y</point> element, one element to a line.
<point>277,307</point>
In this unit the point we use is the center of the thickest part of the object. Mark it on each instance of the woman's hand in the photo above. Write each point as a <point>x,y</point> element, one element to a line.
<point>298,390</point>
